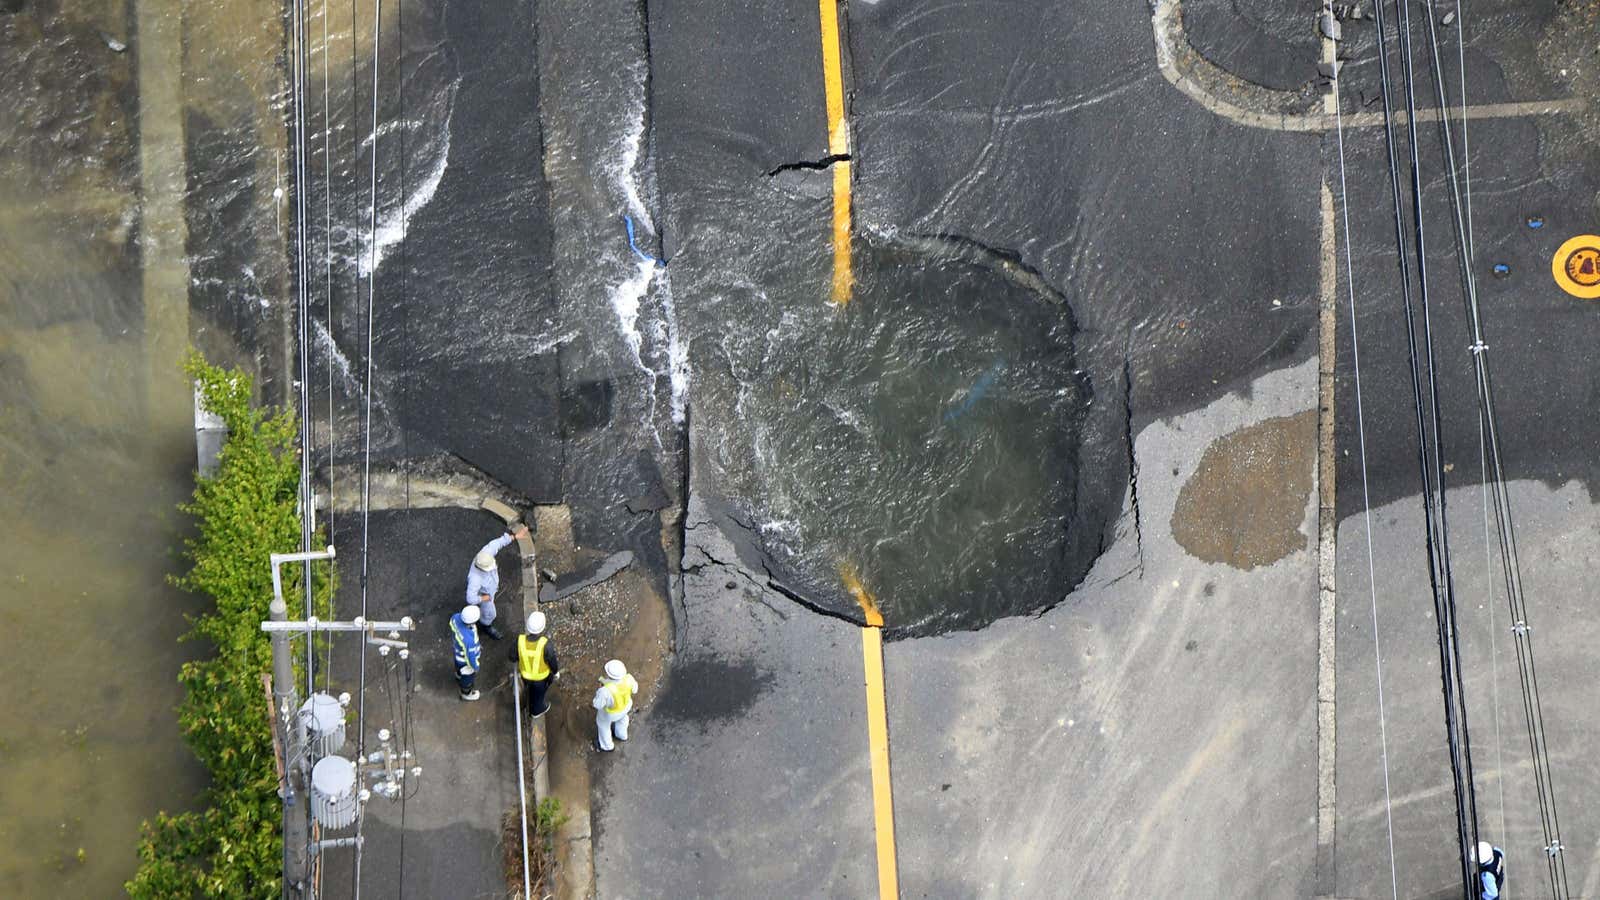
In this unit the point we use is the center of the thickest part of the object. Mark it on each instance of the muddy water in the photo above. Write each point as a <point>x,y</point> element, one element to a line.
<point>100,231</point>
<point>924,440</point>
<point>88,629</point>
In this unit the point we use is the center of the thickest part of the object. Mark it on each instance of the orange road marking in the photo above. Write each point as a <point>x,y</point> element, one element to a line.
<point>877,732</point>
<point>878,744</point>
<point>838,145</point>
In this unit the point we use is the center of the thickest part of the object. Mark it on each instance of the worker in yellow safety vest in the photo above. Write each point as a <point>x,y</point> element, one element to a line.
<point>536,663</point>
<point>612,703</point>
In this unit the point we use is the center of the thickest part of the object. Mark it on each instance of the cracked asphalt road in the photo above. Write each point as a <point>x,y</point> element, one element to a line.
<point>1180,696</point>
<point>1117,702</point>
<point>1035,751</point>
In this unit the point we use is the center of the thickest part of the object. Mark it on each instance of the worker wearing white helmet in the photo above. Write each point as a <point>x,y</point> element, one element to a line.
<point>483,578</point>
<point>537,665</point>
<point>612,703</point>
<point>468,651</point>
<point>1491,872</point>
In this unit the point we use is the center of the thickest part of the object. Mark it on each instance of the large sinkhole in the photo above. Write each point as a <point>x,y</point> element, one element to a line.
<point>923,442</point>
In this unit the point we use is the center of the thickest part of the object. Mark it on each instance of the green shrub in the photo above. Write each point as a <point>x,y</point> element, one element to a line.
<point>234,846</point>
<point>547,817</point>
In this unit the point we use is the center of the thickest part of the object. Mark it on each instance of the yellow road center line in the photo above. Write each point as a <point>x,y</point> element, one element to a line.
<point>878,743</point>
<point>877,732</point>
<point>871,636</point>
<point>832,79</point>
<point>838,145</point>
<point>843,276</point>
<point>857,590</point>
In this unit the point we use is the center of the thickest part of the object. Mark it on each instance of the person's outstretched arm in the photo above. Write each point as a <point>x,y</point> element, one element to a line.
<point>498,544</point>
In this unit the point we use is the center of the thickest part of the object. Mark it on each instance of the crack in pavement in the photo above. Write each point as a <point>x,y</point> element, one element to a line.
<point>817,165</point>
<point>1133,458</point>
<point>1004,261</point>
<point>737,566</point>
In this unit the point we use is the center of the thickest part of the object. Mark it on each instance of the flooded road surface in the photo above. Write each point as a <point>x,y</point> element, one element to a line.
<point>922,439</point>
<point>97,249</point>
<point>88,627</point>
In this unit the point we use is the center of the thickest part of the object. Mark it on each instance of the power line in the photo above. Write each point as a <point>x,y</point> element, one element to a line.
<point>302,296</point>
<point>405,454</point>
<point>1366,493</point>
<point>1483,457</point>
<point>366,461</point>
<point>1527,674</point>
<point>300,39</point>
<point>1436,532</point>
<point>327,244</point>
<point>392,679</point>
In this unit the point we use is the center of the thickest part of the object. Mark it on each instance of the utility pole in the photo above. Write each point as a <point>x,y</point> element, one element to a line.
<point>296,807</point>
<point>303,732</point>
<point>295,827</point>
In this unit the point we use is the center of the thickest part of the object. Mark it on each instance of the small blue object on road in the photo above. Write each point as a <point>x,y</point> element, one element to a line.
<point>977,391</point>
<point>633,245</point>
<point>1535,221</point>
<point>1501,270</point>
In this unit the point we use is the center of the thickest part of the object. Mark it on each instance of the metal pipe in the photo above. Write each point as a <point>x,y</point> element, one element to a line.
<point>522,785</point>
<point>295,827</point>
<point>405,624</point>
<point>333,843</point>
<point>278,559</point>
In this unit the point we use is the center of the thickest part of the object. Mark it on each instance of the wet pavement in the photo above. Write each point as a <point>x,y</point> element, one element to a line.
<point>96,440</point>
<point>1555,529</point>
<point>443,839</point>
<point>979,721</point>
<point>1064,436</point>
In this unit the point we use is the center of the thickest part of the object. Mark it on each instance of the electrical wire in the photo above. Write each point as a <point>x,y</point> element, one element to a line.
<point>327,246</point>
<point>406,787</point>
<point>408,762</point>
<point>1494,650</point>
<point>298,181</point>
<point>1436,534</point>
<point>1490,447</point>
<point>1366,492</point>
<point>1483,455</point>
<point>366,461</point>
<point>522,781</point>
<point>307,498</point>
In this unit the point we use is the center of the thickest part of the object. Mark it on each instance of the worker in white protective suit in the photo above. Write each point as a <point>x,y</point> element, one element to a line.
<point>612,703</point>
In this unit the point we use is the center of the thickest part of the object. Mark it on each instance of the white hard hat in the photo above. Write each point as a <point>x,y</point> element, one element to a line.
<point>536,622</point>
<point>470,615</point>
<point>484,561</point>
<point>1485,853</point>
<point>615,670</point>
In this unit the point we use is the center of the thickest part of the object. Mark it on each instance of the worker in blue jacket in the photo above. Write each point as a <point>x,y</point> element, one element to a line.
<point>1491,871</point>
<point>468,650</point>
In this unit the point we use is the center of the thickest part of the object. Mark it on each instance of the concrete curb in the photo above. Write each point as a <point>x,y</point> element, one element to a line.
<point>538,746</point>
<point>1188,71</point>
<point>1327,548</point>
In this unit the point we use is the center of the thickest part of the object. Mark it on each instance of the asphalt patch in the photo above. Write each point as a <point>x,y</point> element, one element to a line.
<point>1245,502</point>
<point>703,691</point>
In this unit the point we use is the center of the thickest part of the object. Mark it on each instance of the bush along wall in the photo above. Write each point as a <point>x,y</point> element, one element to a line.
<point>233,845</point>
